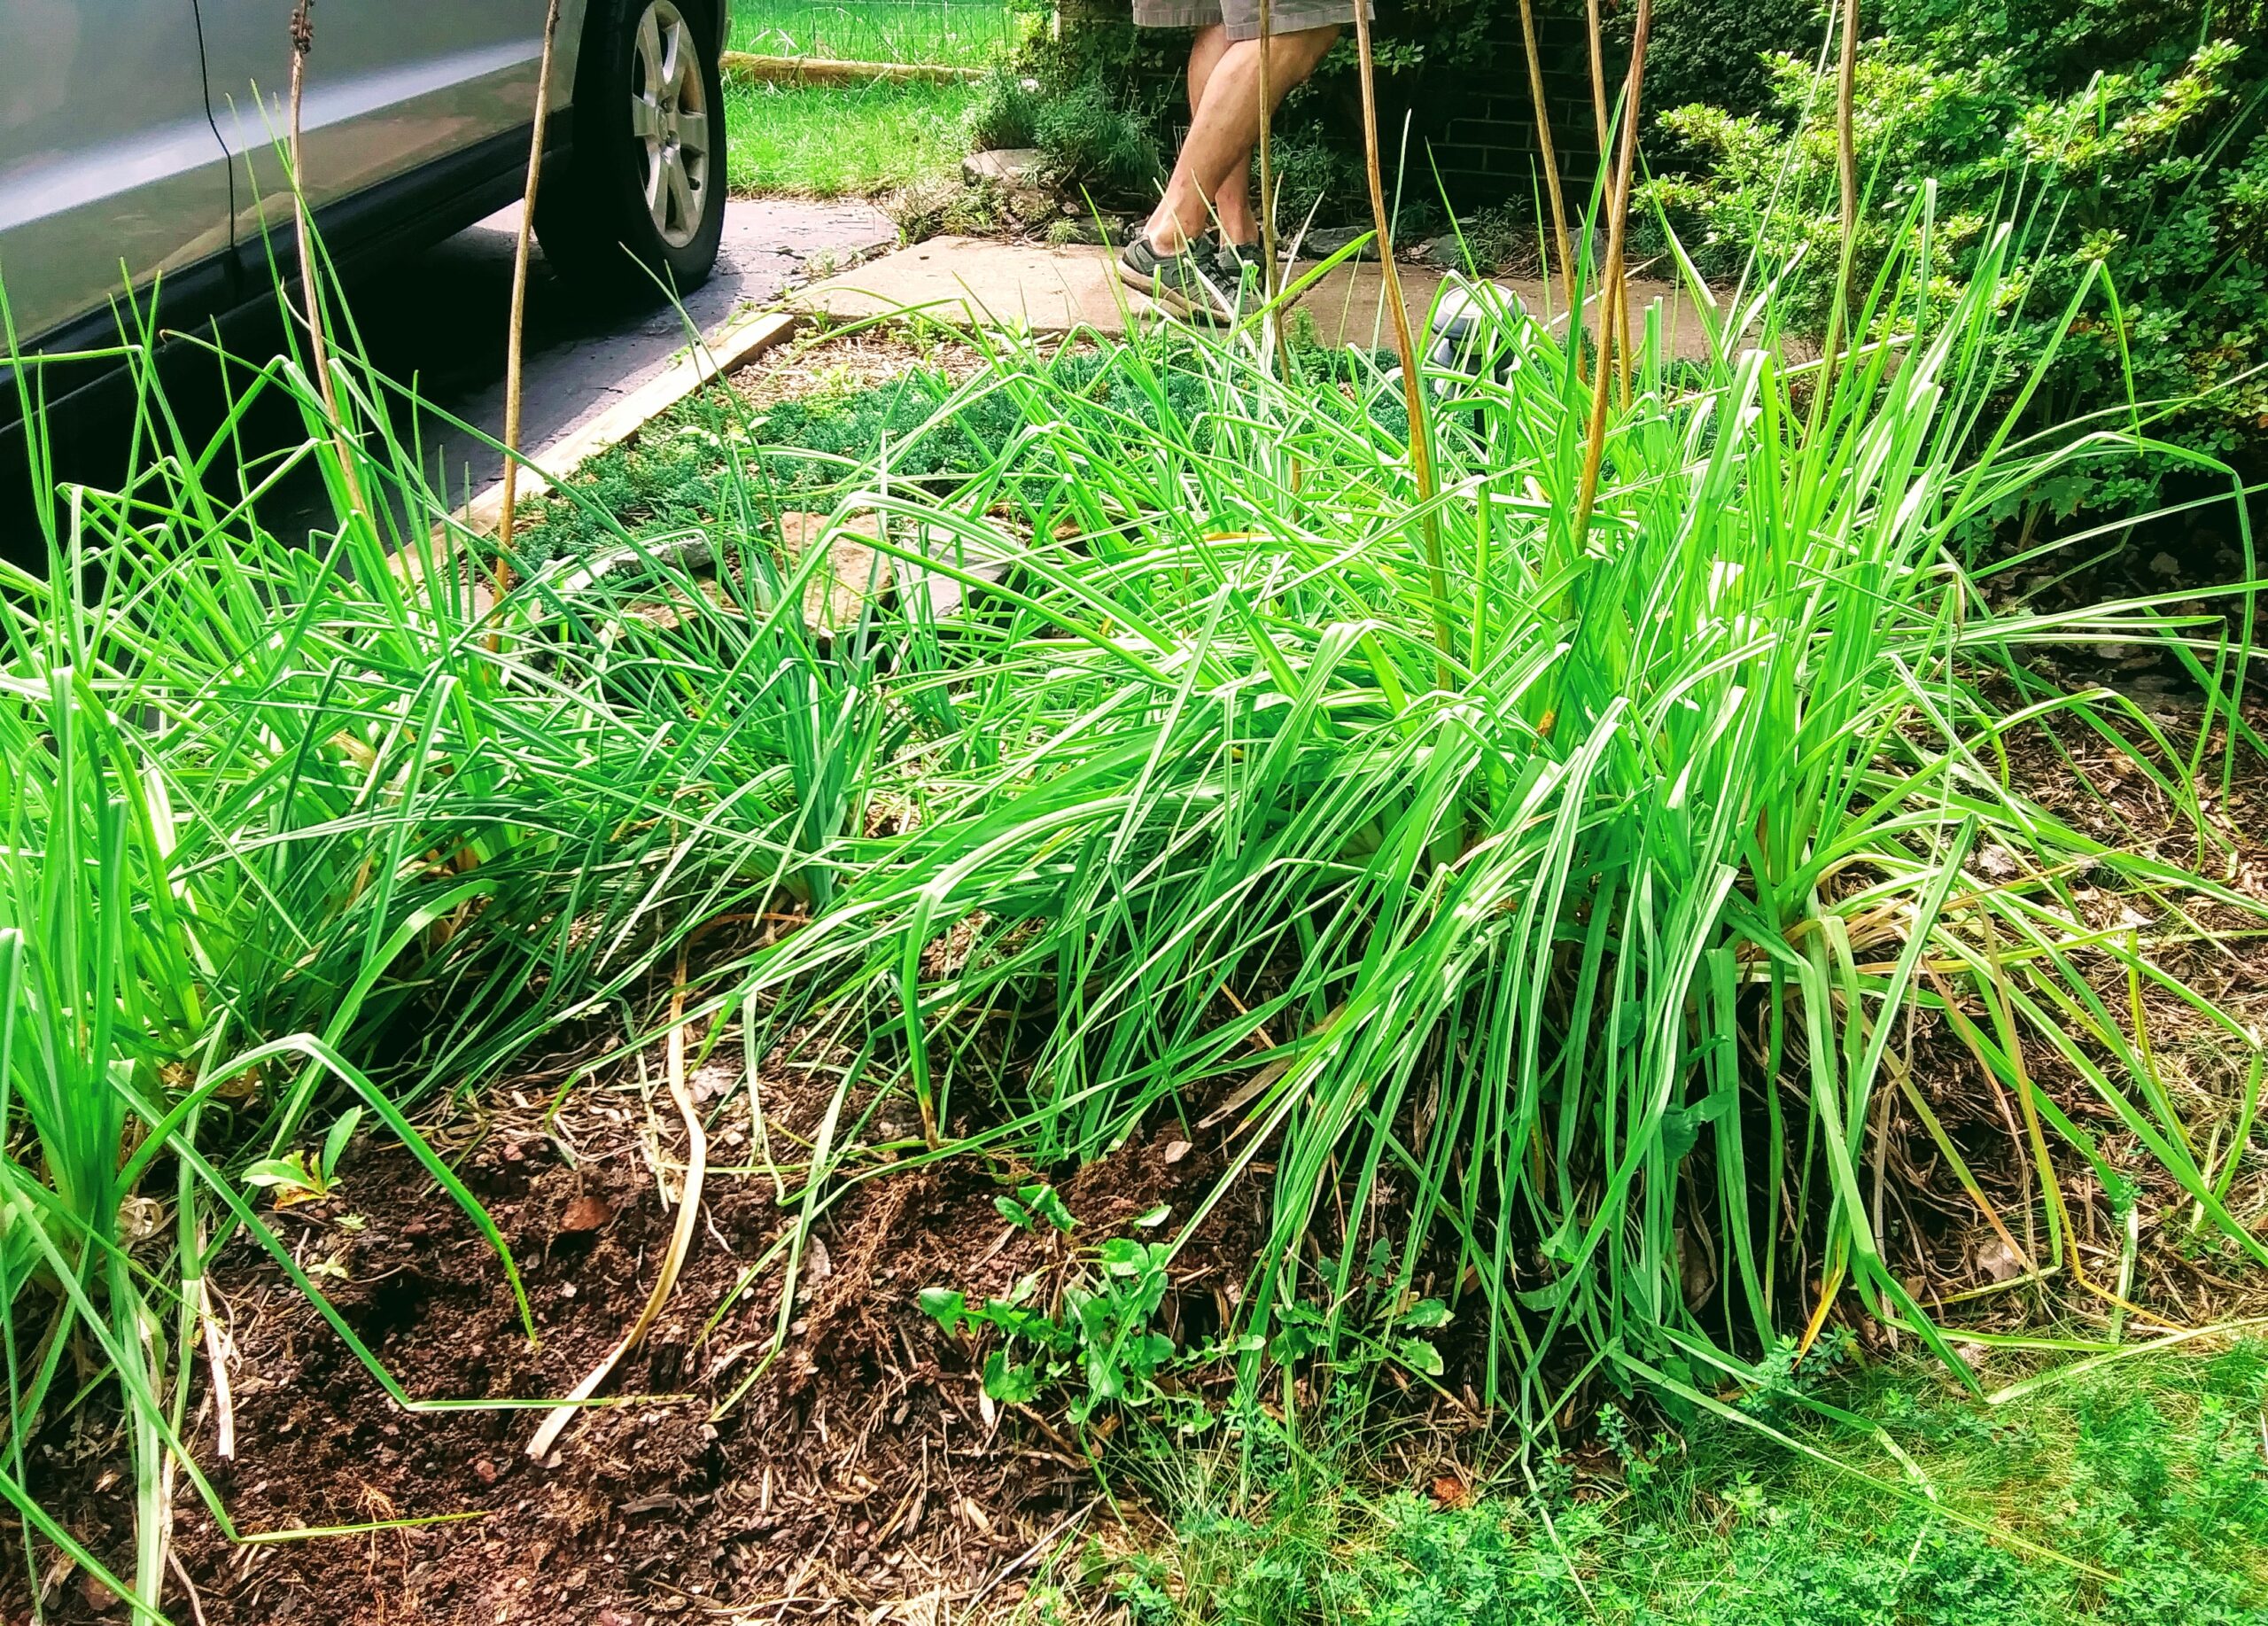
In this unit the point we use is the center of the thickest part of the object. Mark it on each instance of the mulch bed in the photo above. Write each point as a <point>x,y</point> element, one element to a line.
<point>864,1470</point>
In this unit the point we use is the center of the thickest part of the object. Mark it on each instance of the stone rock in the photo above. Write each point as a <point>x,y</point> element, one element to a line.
<point>1012,168</point>
<point>941,595</point>
<point>1325,241</point>
<point>1444,251</point>
<point>583,1214</point>
<point>675,608</point>
<point>857,571</point>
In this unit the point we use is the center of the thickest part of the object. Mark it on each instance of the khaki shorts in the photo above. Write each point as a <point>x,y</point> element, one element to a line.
<point>1242,17</point>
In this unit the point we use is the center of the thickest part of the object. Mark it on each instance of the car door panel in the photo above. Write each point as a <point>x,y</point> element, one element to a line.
<point>110,169</point>
<point>391,86</point>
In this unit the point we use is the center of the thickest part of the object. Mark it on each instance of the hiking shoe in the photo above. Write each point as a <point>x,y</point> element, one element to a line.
<point>1236,258</point>
<point>1178,282</point>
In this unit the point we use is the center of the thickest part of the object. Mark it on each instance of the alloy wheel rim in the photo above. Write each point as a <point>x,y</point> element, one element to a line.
<point>669,117</point>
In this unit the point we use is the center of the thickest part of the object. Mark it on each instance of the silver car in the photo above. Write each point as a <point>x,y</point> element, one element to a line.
<point>140,144</point>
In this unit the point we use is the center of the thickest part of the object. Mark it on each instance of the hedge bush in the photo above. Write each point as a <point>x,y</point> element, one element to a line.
<point>2135,131</point>
<point>1434,56</point>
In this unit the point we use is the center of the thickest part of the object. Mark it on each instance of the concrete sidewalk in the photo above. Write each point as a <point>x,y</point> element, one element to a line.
<point>1030,287</point>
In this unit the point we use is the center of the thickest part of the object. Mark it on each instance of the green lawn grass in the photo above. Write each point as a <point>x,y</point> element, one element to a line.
<point>939,31</point>
<point>2145,1478</point>
<point>844,141</point>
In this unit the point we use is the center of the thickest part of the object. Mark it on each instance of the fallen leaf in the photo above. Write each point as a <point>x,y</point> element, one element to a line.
<point>584,1212</point>
<point>1997,1262</point>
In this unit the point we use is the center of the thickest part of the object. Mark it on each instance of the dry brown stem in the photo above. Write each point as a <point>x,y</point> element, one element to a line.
<point>514,344</point>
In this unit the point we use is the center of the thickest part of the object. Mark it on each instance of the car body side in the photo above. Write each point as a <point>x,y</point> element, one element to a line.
<point>142,176</point>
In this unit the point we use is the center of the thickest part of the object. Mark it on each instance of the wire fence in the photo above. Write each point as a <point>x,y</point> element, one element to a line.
<point>946,33</point>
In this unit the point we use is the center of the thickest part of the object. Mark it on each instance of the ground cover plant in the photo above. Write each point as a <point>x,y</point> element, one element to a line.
<point>271,808</point>
<point>2150,1467</point>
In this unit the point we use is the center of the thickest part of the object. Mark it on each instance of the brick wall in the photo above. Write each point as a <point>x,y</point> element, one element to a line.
<point>1483,140</point>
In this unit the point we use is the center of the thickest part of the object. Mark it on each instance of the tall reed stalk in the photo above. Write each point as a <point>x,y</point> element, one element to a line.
<point>1413,395</point>
<point>515,358</point>
<point>1267,162</point>
<point>1613,294</point>
<point>1270,268</point>
<point>1847,172</point>
<point>1544,145</point>
<point>1610,281</point>
<point>303,39</point>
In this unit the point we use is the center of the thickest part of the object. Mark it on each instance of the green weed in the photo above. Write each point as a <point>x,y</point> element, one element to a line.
<point>1543,939</point>
<point>285,823</point>
<point>2152,1477</point>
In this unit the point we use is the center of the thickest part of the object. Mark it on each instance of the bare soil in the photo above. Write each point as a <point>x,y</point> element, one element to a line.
<point>863,1470</point>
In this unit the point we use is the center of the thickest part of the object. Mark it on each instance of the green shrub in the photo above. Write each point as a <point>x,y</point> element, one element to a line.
<point>1089,137</point>
<point>1055,100</point>
<point>1005,113</point>
<point>2132,132</point>
<point>1315,177</point>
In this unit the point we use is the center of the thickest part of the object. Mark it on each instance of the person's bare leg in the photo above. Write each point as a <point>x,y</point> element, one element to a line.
<point>1205,54</point>
<point>1232,204</point>
<point>1225,129</point>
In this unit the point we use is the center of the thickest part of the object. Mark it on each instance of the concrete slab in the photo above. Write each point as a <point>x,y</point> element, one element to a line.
<point>1348,306</point>
<point>857,571</point>
<point>984,282</point>
<point>981,281</point>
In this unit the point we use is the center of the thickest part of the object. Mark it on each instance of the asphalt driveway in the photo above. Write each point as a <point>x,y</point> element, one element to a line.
<point>435,324</point>
<point>439,322</point>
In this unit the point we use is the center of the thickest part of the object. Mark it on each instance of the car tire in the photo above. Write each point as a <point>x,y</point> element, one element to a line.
<point>638,201</point>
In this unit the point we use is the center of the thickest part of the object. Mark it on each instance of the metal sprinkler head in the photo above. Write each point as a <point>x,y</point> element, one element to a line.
<point>1469,332</point>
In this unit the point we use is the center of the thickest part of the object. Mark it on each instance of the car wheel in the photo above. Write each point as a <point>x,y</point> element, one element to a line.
<point>640,197</point>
